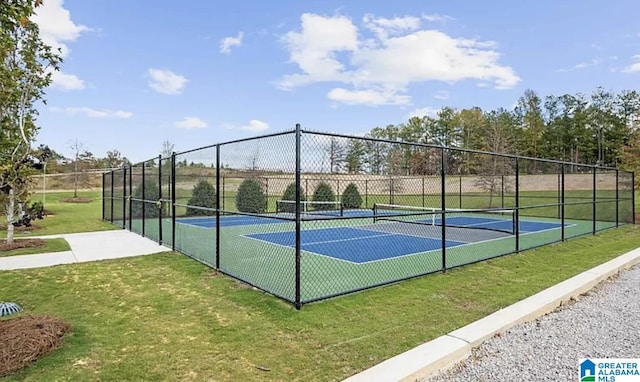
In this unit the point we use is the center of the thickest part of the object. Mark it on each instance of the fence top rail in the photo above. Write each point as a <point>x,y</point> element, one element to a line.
<point>433,146</point>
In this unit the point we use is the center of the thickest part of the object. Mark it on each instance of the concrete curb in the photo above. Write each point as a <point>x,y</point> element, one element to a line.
<point>445,351</point>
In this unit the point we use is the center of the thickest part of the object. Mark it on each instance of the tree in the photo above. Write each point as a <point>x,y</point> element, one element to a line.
<point>114,159</point>
<point>202,195</point>
<point>529,112</point>
<point>290,195</point>
<point>81,160</point>
<point>167,149</point>
<point>335,151</point>
<point>355,156</point>
<point>27,64</point>
<point>151,194</point>
<point>351,197</point>
<point>323,193</point>
<point>250,197</point>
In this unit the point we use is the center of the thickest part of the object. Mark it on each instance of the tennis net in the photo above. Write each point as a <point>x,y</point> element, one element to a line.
<point>311,209</point>
<point>501,220</point>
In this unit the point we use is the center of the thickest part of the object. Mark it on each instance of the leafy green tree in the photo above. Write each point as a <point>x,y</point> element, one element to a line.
<point>151,194</point>
<point>290,194</point>
<point>202,195</point>
<point>323,193</point>
<point>355,156</point>
<point>251,197</point>
<point>351,197</point>
<point>27,64</point>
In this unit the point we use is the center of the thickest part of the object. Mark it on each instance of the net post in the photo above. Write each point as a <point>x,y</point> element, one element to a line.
<point>160,199</point>
<point>144,197</point>
<point>298,225</point>
<point>562,202</point>
<point>595,169</point>
<point>218,206</point>
<point>173,201</point>
<point>442,208</point>
<point>517,218</point>
<point>129,196</point>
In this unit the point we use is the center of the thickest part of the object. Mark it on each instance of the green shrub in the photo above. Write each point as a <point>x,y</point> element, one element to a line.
<point>351,197</point>
<point>151,194</point>
<point>251,197</point>
<point>323,193</point>
<point>202,195</point>
<point>290,194</point>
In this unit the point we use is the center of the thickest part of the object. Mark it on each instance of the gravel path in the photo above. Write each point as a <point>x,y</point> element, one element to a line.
<point>604,323</point>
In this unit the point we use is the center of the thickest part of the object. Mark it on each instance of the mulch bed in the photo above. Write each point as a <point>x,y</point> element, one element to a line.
<point>21,243</point>
<point>76,200</point>
<point>26,338</point>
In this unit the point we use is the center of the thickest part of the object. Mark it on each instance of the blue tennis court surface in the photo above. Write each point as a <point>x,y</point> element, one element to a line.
<point>227,221</point>
<point>355,245</point>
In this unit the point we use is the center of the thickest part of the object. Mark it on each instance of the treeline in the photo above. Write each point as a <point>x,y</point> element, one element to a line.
<point>598,129</point>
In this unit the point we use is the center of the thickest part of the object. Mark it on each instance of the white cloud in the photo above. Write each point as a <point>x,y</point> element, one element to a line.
<point>93,113</point>
<point>56,26</point>
<point>442,95</point>
<point>65,81</point>
<point>423,111</point>
<point>229,42</point>
<point>333,49</point>
<point>635,67</point>
<point>189,123</point>
<point>582,65</point>
<point>369,97</point>
<point>166,82</point>
<point>253,125</point>
<point>435,17</point>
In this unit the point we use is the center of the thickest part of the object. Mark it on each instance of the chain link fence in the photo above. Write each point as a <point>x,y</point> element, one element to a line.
<point>307,216</point>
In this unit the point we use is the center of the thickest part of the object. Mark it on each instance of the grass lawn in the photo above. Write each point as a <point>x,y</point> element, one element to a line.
<point>68,217</point>
<point>167,317</point>
<point>51,245</point>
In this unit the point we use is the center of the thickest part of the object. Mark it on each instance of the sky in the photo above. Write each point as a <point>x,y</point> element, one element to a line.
<point>194,73</point>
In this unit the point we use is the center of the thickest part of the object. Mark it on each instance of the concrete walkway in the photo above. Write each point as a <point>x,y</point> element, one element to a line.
<point>88,246</point>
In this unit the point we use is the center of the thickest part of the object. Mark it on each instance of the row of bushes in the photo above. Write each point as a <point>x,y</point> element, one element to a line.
<point>249,198</point>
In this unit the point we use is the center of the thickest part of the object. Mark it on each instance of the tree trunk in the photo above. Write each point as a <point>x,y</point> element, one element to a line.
<point>10,215</point>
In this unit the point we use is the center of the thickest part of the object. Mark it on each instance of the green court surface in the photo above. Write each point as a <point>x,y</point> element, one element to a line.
<point>271,266</point>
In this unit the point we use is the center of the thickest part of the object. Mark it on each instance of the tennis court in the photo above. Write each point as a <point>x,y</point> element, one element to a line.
<point>386,238</point>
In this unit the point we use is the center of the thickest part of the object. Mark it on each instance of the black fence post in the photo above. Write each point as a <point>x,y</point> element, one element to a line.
<point>129,197</point>
<point>124,197</point>
<point>460,192</point>
<point>443,208</point>
<point>104,201</point>
<point>160,199</point>
<point>390,190</point>
<point>366,193</point>
<point>517,214</point>
<point>617,200</point>
<point>423,191</point>
<point>633,197</point>
<point>266,191</point>
<point>560,189</point>
<point>562,201</point>
<point>501,191</point>
<point>218,207</point>
<point>595,169</point>
<point>111,206</point>
<point>223,188</point>
<point>173,201</point>
<point>298,190</point>
<point>143,198</point>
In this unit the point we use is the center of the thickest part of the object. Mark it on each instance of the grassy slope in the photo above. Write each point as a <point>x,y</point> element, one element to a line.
<point>166,317</point>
